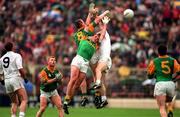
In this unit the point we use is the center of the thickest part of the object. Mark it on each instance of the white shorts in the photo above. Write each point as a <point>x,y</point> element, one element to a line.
<point>48,94</point>
<point>164,88</point>
<point>81,63</point>
<point>98,59</point>
<point>13,84</point>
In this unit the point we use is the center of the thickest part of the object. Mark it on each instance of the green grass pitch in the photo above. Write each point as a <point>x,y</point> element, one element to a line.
<point>92,112</point>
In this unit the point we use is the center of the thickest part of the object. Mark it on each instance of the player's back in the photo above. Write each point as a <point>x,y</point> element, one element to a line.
<point>164,68</point>
<point>11,62</point>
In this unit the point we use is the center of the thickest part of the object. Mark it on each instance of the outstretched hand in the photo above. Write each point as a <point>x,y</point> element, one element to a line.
<point>58,76</point>
<point>105,20</point>
<point>91,7</point>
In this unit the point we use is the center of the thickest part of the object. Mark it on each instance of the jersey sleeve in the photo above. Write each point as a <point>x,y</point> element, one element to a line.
<point>91,27</point>
<point>43,75</point>
<point>176,67</point>
<point>151,69</point>
<point>19,61</point>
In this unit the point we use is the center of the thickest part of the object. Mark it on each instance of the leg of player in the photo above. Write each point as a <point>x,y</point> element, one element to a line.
<point>56,100</point>
<point>78,82</point>
<point>14,105</point>
<point>43,105</point>
<point>101,66</point>
<point>23,98</point>
<point>103,92</point>
<point>74,83</point>
<point>170,107</point>
<point>97,95</point>
<point>161,101</point>
<point>74,76</point>
<point>83,87</point>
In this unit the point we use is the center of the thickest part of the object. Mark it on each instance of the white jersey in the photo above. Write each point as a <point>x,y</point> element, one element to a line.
<point>10,64</point>
<point>105,46</point>
<point>103,54</point>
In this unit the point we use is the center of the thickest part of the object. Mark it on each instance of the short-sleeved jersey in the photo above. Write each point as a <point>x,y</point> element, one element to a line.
<point>83,35</point>
<point>86,49</point>
<point>46,74</point>
<point>10,64</point>
<point>163,68</point>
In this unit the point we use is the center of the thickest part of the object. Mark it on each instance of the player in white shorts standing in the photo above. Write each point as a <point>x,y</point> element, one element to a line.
<point>100,64</point>
<point>12,70</point>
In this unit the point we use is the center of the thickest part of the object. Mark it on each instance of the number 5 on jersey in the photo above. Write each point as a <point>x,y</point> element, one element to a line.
<point>165,67</point>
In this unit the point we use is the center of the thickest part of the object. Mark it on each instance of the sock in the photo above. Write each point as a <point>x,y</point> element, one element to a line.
<point>98,82</point>
<point>67,99</point>
<point>103,98</point>
<point>21,114</point>
<point>97,93</point>
<point>170,109</point>
<point>13,115</point>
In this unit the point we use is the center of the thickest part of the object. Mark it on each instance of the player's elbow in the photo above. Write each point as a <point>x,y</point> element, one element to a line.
<point>150,76</point>
<point>21,71</point>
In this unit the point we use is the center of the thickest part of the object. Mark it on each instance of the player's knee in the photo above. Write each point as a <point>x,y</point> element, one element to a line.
<point>14,107</point>
<point>59,107</point>
<point>24,100</point>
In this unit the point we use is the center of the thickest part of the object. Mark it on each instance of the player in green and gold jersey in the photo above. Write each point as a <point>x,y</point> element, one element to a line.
<point>162,68</point>
<point>85,29</point>
<point>80,63</point>
<point>50,78</point>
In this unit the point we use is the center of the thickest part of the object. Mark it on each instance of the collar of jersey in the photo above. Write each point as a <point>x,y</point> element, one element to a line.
<point>164,56</point>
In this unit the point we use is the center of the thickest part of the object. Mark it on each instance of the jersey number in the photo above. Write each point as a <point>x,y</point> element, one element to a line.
<point>6,61</point>
<point>165,68</point>
<point>80,36</point>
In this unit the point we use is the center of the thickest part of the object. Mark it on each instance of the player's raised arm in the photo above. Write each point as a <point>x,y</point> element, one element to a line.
<point>100,17</point>
<point>105,21</point>
<point>91,10</point>
<point>92,25</point>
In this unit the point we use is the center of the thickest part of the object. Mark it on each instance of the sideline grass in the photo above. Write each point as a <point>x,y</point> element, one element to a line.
<point>92,112</point>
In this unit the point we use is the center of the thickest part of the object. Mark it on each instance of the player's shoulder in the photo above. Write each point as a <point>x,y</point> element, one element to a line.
<point>17,55</point>
<point>156,59</point>
<point>2,57</point>
<point>171,58</point>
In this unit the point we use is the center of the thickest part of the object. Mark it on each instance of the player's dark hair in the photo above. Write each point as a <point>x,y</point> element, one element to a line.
<point>162,50</point>
<point>78,23</point>
<point>8,46</point>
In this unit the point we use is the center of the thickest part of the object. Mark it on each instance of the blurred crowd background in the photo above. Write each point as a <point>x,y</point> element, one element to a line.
<point>40,28</point>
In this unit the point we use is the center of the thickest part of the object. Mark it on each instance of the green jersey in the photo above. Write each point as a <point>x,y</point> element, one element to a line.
<point>164,68</point>
<point>80,35</point>
<point>86,49</point>
<point>46,74</point>
<point>83,35</point>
